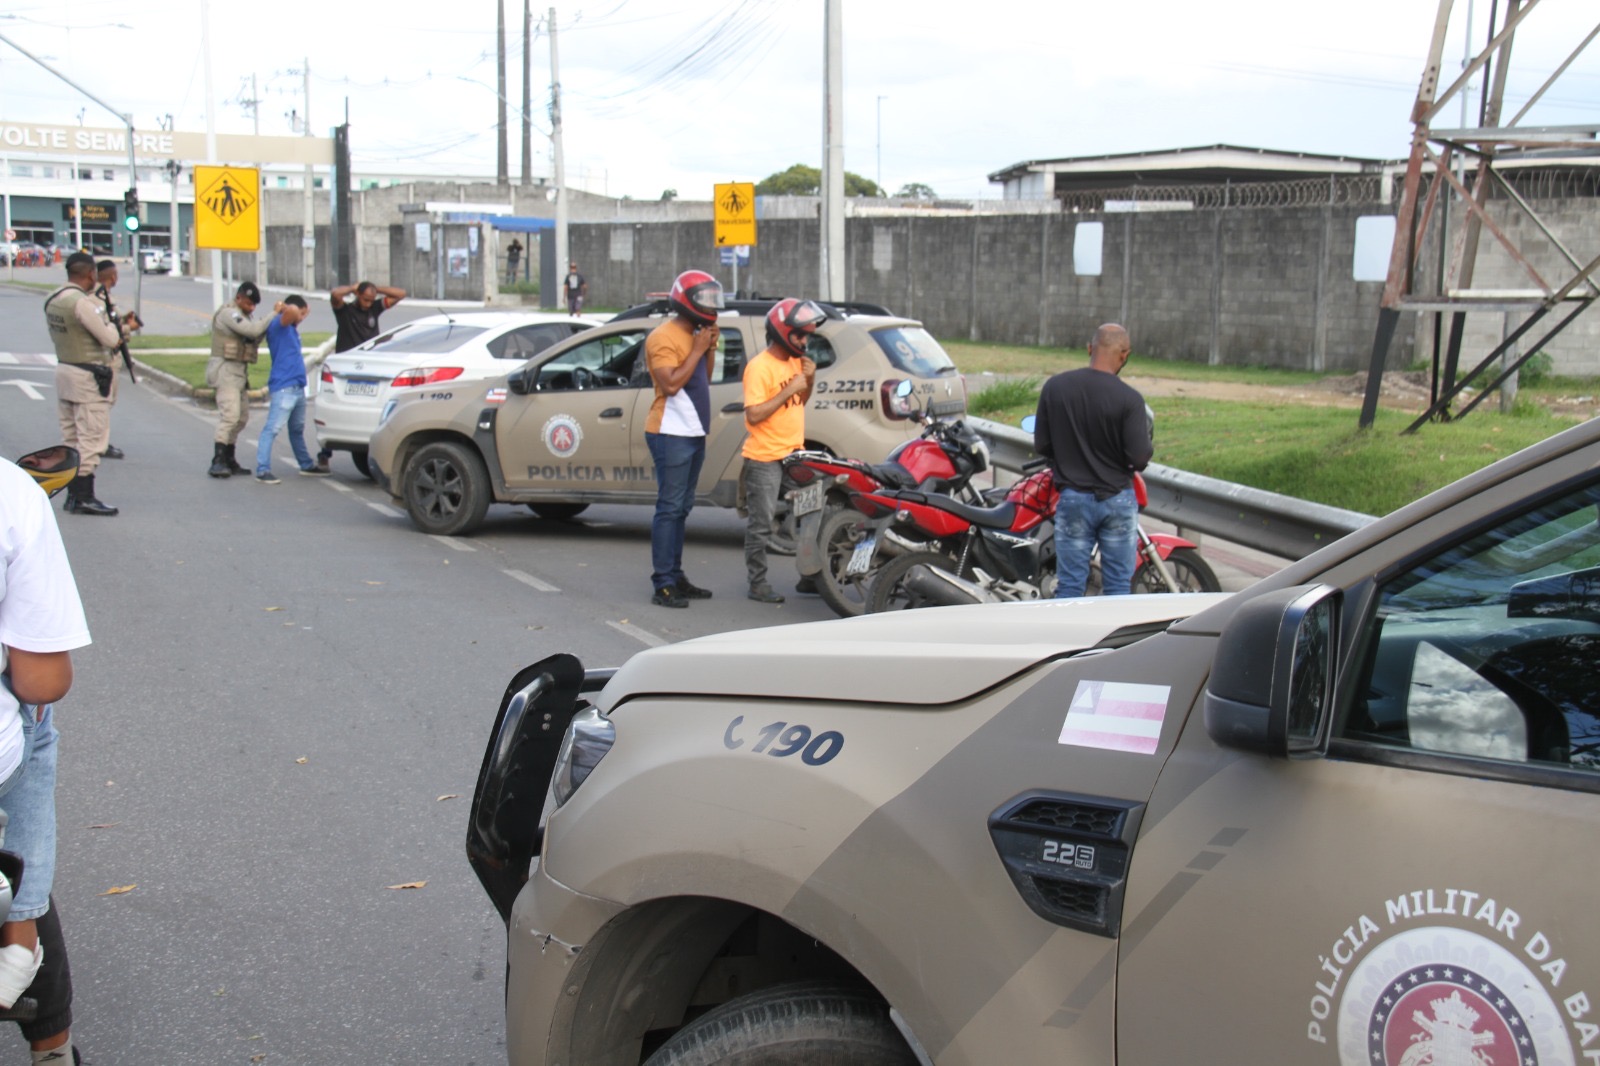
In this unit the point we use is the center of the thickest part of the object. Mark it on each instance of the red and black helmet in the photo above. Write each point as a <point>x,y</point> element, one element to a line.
<point>791,322</point>
<point>698,295</point>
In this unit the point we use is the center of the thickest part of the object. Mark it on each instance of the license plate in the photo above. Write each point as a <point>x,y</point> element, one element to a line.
<point>807,499</point>
<point>861,558</point>
<point>361,388</point>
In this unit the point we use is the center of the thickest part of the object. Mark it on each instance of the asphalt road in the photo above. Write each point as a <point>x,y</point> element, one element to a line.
<point>281,720</point>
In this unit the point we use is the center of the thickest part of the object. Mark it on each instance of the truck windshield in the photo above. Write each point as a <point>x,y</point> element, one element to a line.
<point>913,351</point>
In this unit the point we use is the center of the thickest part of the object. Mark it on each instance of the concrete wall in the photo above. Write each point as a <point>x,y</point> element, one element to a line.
<point>1266,287</point>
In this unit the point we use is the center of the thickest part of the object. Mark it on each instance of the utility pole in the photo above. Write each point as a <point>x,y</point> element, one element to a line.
<point>832,280</point>
<point>881,99</point>
<point>261,190</point>
<point>211,144</point>
<point>527,92</point>
<point>502,171</point>
<point>555,142</point>
<point>308,224</point>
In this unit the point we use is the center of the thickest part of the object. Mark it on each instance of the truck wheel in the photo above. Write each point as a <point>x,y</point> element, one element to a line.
<point>446,489</point>
<point>558,512</point>
<point>1192,573</point>
<point>797,1024</point>
<point>358,456</point>
<point>888,591</point>
<point>841,531</point>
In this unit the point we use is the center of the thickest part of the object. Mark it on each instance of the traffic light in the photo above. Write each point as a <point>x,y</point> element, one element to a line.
<point>130,210</point>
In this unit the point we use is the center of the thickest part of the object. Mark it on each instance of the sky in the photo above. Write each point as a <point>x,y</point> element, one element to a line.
<point>662,94</point>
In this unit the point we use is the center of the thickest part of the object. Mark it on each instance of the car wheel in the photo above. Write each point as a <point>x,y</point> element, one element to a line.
<point>358,456</point>
<point>889,592</point>
<point>1192,573</point>
<point>558,512</point>
<point>846,593</point>
<point>446,489</point>
<point>791,1025</point>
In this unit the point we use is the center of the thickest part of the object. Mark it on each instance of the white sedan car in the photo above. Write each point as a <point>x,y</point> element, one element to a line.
<point>437,350</point>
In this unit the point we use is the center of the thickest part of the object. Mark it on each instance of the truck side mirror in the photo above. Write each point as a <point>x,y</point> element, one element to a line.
<point>1271,688</point>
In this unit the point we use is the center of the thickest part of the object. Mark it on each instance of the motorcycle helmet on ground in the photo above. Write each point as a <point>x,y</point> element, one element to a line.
<point>697,295</point>
<point>53,468</point>
<point>791,322</point>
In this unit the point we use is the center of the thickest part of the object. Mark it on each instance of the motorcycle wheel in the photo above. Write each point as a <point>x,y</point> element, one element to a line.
<point>1192,573</point>
<point>889,591</point>
<point>846,593</point>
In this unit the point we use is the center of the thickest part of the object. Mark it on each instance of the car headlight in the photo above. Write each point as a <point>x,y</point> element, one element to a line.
<point>588,738</point>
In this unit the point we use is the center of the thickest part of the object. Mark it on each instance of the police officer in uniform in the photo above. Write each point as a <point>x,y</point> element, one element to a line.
<point>85,342</point>
<point>235,341</point>
<point>107,271</point>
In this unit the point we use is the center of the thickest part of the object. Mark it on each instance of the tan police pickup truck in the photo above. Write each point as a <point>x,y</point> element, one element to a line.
<point>566,429</point>
<point>1347,816</point>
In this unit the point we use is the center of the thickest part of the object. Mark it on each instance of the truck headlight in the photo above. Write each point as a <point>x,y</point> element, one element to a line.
<point>588,738</point>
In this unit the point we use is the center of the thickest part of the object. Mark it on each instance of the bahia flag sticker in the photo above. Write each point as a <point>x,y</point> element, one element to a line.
<point>1117,716</point>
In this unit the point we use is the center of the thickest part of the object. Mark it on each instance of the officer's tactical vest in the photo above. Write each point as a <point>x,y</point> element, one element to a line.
<point>74,344</point>
<point>226,344</point>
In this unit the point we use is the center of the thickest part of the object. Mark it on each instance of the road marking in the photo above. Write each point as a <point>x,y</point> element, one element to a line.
<point>643,636</point>
<point>337,486</point>
<point>449,542</point>
<point>26,359</point>
<point>530,580</point>
<point>385,509</point>
<point>27,388</point>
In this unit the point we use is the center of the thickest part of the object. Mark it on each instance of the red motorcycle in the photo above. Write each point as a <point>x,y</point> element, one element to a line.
<point>1004,552</point>
<point>819,487</point>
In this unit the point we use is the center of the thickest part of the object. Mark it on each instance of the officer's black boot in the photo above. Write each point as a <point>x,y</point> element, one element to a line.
<point>233,463</point>
<point>219,461</point>
<point>74,494</point>
<point>87,504</point>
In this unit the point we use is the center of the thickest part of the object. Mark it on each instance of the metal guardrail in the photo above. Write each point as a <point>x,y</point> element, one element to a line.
<point>1269,522</point>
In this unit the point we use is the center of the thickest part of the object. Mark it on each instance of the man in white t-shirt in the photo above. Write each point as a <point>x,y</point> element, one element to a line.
<point>41,623</point>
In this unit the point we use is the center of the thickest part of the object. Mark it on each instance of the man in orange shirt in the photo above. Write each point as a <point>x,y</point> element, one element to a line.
<point>679,353</point>
<point>777,384</point>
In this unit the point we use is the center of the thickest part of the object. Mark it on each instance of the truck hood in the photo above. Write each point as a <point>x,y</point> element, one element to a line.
<point>933,656</point>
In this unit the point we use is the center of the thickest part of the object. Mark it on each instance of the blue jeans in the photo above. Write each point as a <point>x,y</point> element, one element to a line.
<point>1081,522</point>
<point>678,461</point>
<point>286,405</point>
<point>29,799</point>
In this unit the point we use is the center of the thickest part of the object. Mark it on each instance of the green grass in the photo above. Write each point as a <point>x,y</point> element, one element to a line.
<point>1312,452</point>
<point>188,368</point>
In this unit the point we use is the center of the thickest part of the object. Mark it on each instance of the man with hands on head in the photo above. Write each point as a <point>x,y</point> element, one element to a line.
<point>356,309</point>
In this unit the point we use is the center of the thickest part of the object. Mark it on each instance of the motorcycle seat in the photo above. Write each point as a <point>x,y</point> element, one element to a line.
<point>999,516</point>
<point>893,475</point>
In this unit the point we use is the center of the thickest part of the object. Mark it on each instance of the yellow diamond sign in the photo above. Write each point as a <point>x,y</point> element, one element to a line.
<point>227,208</point>
<point>735,212</point>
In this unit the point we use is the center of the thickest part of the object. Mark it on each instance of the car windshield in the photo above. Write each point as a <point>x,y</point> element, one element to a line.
<point>913,351</point>
<point>444,337</point>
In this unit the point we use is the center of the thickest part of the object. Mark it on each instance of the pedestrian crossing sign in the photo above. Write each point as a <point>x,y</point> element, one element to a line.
<point>227,208</point>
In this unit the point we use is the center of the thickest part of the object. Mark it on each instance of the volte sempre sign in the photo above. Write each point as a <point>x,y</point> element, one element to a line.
<point>735,213</point>
<point>227,208</point>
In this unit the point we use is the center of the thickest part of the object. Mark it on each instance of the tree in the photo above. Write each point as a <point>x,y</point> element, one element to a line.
<point>801,180</point>
<point>668,194</point>
<point>915,190</point>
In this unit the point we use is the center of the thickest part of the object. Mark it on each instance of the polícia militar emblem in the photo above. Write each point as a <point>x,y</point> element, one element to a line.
<point>562,435</point>
<point>1439,996</point>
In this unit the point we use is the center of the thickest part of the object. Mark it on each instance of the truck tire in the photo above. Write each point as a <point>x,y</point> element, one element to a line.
<point>801,1024</point>
<point>446,489</point>
<point>1192,573</point>
<point>888,591</point>
<point>841,531</point>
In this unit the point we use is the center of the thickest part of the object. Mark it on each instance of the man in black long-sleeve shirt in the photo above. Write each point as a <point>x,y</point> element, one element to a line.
<point>1093,428</point>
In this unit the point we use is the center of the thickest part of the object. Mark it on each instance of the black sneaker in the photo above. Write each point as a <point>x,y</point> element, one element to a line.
<point>669,597</point>
<point>690,591</point>
<point>807,586</point>
<point>268,478</point>
<point>764,594</point>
